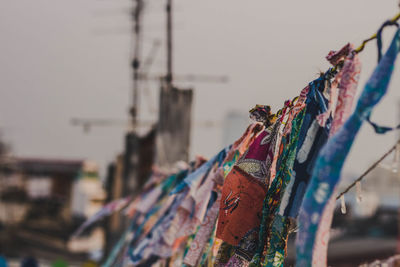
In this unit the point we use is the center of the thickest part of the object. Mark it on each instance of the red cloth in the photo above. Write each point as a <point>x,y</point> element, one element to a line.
<point>241,206</point>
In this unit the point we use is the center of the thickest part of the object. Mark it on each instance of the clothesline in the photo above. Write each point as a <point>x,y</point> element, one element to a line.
<point>373,166</point>
<point>361,47</point>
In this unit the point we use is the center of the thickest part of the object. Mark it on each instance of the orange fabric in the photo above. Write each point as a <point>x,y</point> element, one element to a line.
<point>241,206</point>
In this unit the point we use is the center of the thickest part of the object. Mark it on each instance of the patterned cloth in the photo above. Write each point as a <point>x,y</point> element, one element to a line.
<point>347,85</point>
<point>393,261</point>
<point>262,113</point>
<point>180,223</point>
<point>240,147</point>
<point>199,173</point>
<point>221,251</point>
<point>152,217</point>
<point>105,211</point>
<point>206,224</point>
<point>153,244</point>
<point>237,261</point>
<point>328,167</point>
<point>276,251</point>
<point>225,252</point>
<point>243,192</point>
<point>283,117</point>
<point>310,138</point>
<point>272,199</point>
<point>294,117</point>
<point>203,235</point>
<point>240,208</point>
<point>183,216</point>
<point>257,160</point>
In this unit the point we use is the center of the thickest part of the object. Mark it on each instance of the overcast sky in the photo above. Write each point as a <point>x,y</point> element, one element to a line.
<point>61,59</point>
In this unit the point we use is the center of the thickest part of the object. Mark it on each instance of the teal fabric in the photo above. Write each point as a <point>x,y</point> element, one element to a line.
<point>3,262</point>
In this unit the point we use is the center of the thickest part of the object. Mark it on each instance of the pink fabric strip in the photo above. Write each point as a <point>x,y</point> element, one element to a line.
<point>206,229</point>
<point>349,76</point>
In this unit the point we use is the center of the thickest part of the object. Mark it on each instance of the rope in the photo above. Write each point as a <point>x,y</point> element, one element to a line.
<point>373,166</point>
<point>361,47</point>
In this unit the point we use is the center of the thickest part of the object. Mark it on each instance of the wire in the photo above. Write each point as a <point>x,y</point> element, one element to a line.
<point>373,166</point>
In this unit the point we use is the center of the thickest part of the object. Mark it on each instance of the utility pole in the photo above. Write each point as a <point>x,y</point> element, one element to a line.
<point>137,16</point>
<point>175,104</point>
<point>175,108</point>
<point>169,77</point>
<point>131,161</point>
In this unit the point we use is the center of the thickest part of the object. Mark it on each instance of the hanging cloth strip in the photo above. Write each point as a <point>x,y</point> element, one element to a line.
<point>105,211</point>
<point>288,143</point>
<point>148,218</point>
<point>158,241</point>
<point>206,233</point>
<point>326,173</point>
<point>153,240</point>
<point>393,261</point>
<point>310,139</point>
<point>312,136</point>
<point>200,172</point>
<point>152,217</point>
<point>200,242</point>
<point>120,245</point>
<point>347,86</point>
<point>207,230</point>
<point>241,146</point>
<point>284,116</point>
<point>378,128</point>
<point>181,208</point>
<point>244,188</point>
<point>203,235</point>
<point>272,199</point>
<point>262,113</point>
<point>245,249</point>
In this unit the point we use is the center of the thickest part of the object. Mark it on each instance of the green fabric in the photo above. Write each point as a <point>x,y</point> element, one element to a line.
<point>276,190</point>
<point>59,263</point>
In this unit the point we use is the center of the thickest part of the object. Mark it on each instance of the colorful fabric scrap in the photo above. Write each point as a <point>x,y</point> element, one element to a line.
<point>330,161</point>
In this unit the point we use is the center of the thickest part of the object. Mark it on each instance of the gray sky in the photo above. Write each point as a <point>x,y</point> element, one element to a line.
<point>63,59</point>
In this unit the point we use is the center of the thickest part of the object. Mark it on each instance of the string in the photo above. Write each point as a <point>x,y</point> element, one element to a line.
<point>373,166</point>
<point>376,127</point>
<point>333,70</point>
<point>374,36</point>
<point>362,46</point>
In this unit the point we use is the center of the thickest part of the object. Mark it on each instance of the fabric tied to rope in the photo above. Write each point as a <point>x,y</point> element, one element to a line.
<point>330,161</point>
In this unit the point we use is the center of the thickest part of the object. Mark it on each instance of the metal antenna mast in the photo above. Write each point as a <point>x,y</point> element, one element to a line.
<point>137,16</point>
<point>169,77</point>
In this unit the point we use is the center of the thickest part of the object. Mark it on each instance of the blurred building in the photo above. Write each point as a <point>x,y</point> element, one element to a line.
<point>384,181</point>
<point>42,202</point>
<point>369,230</point>
<point>126,175</point>
<point>88,194</point>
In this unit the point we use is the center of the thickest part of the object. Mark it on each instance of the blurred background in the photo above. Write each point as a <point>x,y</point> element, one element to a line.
<point>86,87</point>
